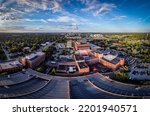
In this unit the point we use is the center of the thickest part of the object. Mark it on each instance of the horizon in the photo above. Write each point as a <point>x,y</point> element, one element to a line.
<point>78,16</point>
<point>74,32</point>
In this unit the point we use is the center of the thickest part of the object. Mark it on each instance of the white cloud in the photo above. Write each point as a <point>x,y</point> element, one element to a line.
<point>88,2</point>
<point>97,7</point>
<point>24,28</point>
<point>104,8</point>
<point>9,14</point>
<point>66,19</point>
<point>119,17</point>
<point>14,10</point>
<point>54,5</point>
<point>43,20</point>
<point>60,19</point>
<point>92,7</point>
<point>19,7</point>
<point>35,20</point>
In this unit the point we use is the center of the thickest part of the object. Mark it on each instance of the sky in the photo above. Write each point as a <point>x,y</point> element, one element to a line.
<point>74,15</point>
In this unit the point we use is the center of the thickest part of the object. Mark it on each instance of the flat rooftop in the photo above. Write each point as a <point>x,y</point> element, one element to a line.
<point>79,57</point>
<point>93,46</point>
<point>82,43</point>
<point>63,59</point>
<point>82,65</point>
<point>62,67</point>
<point>9,65</point>
<point>100,51</point>
<point>83,51</point>
<point>34,55</point>
<point>114,61</point>
<point>88,57</point>
<point>109,57</point>
<point>73,37</point>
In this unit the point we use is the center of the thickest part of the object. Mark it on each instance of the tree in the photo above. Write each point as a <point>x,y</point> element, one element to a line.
<point>134,51</point>
<point>148,72</point>
<point>34,47</point>
<point>41,69</point>
<point>120,76</point>
<point>53,72</point>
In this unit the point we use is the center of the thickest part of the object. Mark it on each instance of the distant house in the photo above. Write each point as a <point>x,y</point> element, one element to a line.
<point>60,46</point>
<point>96,35</point>
<point>94,47</point>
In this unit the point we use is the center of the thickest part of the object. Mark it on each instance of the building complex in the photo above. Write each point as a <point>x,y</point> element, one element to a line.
<point>87,54</point>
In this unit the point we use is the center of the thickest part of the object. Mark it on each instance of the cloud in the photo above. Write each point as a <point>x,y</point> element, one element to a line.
<point>64,19</point>
<point>16,8</point>
<point>16,12</point>
<point>59,20</point>
<point>88,2</point>
<point>104,8</point>
<point>25,28</point>
<point>119,17</point>
<point>34,20</point>
<point>68,18</point>
<point>54,5</point>
<point>9,14</point>
<point>96,7</point>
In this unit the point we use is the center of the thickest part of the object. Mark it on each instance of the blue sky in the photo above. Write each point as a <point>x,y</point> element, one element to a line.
<point>74,15</point>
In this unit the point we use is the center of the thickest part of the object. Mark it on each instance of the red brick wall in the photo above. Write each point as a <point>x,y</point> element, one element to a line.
<point>23,61</point>
<point>110,65</point>
<point>84,70</point>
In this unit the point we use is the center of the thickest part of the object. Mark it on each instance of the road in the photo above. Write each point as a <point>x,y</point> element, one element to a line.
<point>41,48</point>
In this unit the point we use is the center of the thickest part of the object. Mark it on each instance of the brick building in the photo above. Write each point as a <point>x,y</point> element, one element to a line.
<point>33,60</point>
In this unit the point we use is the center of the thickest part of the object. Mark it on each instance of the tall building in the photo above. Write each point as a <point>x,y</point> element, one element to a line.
<point>33,60</point>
